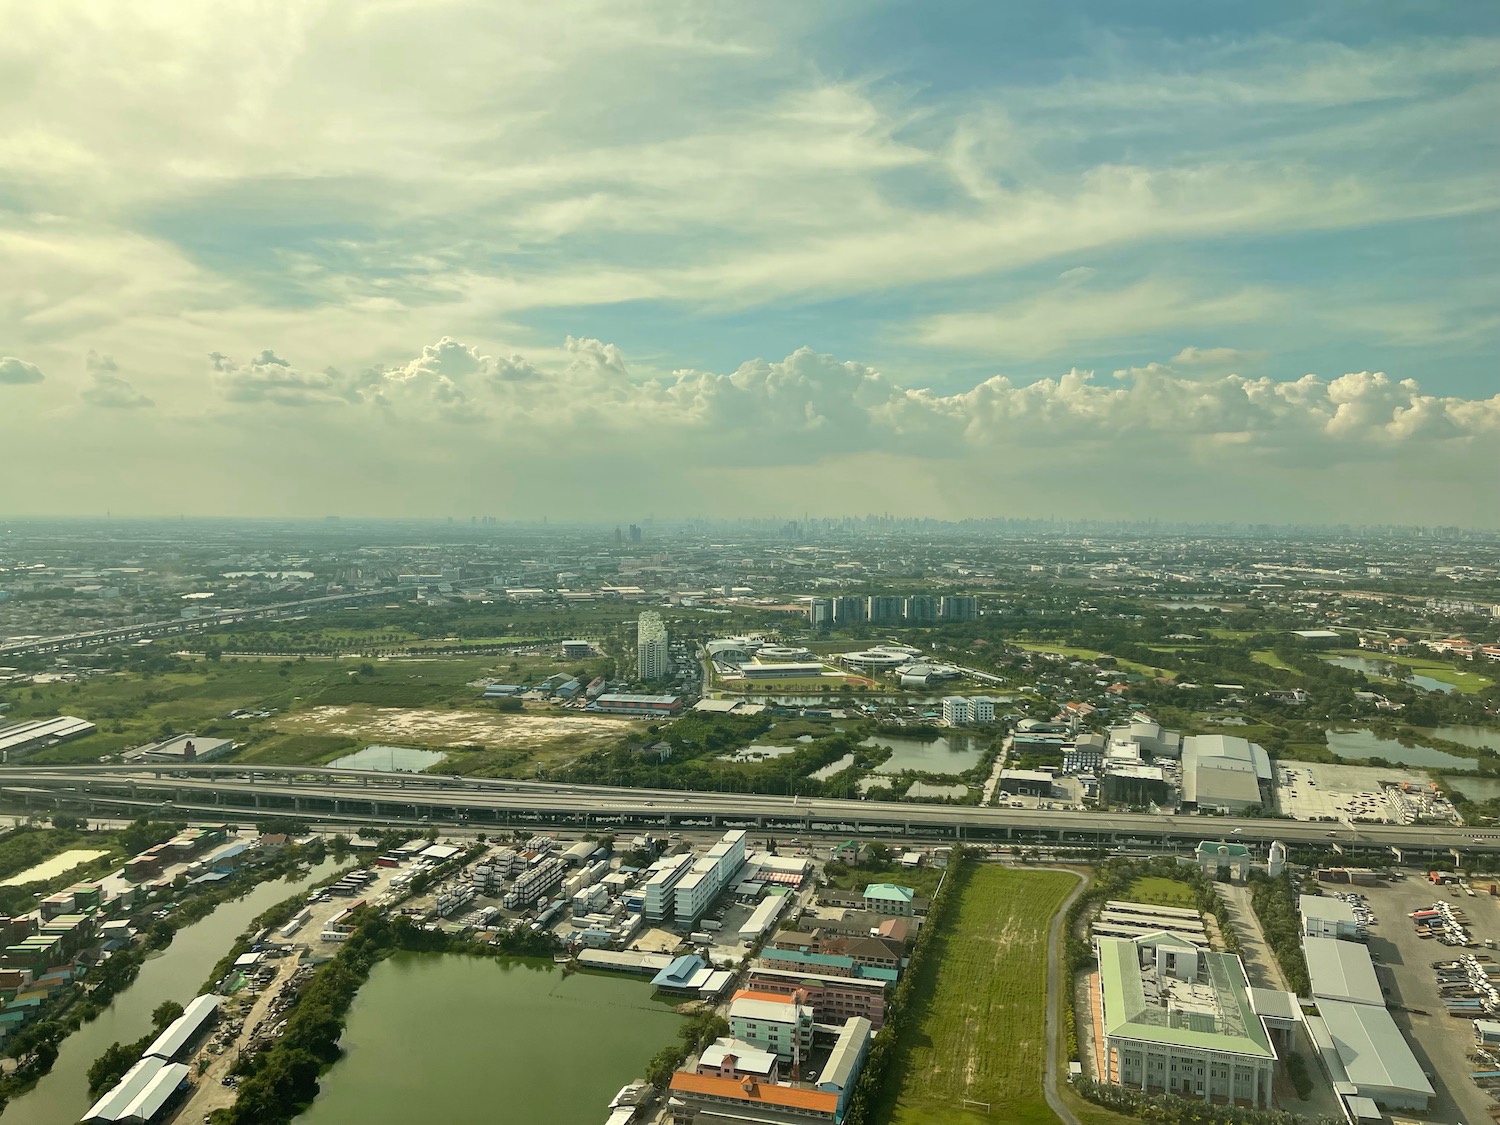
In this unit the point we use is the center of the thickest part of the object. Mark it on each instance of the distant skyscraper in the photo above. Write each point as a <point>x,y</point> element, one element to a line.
<point>885,610</point>
<point>850,611</point>
<point>960,608</point>
<point>635,533</point>
<point>921,609</point>
<point>820,613</point>
<point>651,646</point>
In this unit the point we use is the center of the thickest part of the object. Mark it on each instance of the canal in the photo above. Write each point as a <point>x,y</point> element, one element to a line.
<point>62,1096</point>
<point>471,1040</point>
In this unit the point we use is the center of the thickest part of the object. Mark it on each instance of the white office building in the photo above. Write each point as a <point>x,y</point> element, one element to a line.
<point>708,876</point>
<point>652,658</point>
<point>661,884</point>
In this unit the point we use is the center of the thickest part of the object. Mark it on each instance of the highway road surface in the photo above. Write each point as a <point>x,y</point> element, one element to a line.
<point>331,794</point>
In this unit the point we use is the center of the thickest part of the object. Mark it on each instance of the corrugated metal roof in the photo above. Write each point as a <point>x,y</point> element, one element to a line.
<point>180,1032</point>
<point>1341,970</point>
<point>1375,1054</point>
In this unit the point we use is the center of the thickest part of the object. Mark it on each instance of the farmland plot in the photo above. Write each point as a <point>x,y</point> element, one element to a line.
<point>981,1033</point>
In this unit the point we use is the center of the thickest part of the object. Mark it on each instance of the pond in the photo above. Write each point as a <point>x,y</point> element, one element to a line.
<point>1481,738</point>
<point>446,1038</point>
<point>1476,788</point>
<point>759,752</point>
<point>1384,670</point>
<point>391,759</point>
<point>1366,744</point>
<point>832,768</point>
<point>62,1096</point>
<point>948,754</point>
<point>52,867</point>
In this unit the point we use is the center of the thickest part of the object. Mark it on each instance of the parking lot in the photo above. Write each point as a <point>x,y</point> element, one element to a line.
<point>1321,791</point>
<point>1404,964</point>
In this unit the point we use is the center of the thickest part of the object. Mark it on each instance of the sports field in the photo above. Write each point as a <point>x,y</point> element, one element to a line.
<point>981,1033</point>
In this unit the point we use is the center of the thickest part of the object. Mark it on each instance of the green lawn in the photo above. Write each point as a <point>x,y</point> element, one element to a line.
<point>923,880</point>
<point>981,1032</point>
<point>1270,659</point>
<point>1158,891</point>
<point>1090,655</point>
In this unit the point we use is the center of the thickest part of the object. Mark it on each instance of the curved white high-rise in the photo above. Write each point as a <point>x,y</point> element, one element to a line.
<point>651,647</point>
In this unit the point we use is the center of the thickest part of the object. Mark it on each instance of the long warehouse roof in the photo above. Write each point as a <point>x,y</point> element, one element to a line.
<point>1341,970</point>
<point>180,1032</point>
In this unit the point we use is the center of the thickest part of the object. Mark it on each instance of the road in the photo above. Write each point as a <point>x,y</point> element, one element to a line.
<point>231,790</point>
<point>1051,1079</point>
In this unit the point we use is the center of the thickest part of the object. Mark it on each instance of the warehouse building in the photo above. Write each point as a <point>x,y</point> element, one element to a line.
<point>1327,917</point>
<point>1178,1019</point>
<point>1361,1047</point>
<point>142,1095</point>
<point>182,749</point>
<point>177,1036</point>
<point>619,704</point>
<point>19,739</point>
<point>1342,971</point>
<point>1226,773</point>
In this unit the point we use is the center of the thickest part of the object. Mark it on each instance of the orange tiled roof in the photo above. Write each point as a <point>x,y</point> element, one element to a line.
<point>772,997</point>
<point>760,1093</point>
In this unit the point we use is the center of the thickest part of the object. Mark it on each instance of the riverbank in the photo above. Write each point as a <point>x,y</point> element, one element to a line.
<point>168,963</point>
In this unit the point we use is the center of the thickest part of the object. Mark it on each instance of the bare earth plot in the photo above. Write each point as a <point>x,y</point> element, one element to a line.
<point>980,1038</point>
<point>508,740</point>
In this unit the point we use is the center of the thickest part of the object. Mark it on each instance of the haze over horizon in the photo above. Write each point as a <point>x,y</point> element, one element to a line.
<point>594,260</point>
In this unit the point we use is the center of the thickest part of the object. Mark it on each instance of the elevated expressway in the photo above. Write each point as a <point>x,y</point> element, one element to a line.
<point>231,790</point>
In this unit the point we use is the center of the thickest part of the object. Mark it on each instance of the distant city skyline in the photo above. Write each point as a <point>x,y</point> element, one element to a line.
<point>989,259</point>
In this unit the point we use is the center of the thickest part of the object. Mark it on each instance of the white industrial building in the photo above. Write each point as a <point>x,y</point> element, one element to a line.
<point>1182,1020</point>
<point>653,660</point>
<point>1341,970</point>
<point>661,880</point>
<point>1220,771</point>
<point>709,875</point>
<point>177,1035</point>
<point>1367,1056</point>
<point>142,1094</point>
<point>19,739</point>
<point>183,748</point>
<point>1358,1042</point>
<point>1324,917</point>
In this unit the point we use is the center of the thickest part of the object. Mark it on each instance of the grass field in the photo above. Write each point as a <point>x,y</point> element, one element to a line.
<point>1270,660</point>
<point>1090,654</point>
<point>981,1032</point>
<point>1161,892</point>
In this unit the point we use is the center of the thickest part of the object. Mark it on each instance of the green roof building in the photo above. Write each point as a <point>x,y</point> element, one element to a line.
<point>888,898</point>
<point>1179,1019</point>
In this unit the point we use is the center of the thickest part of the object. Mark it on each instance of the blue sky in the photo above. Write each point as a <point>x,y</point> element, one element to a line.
<point>887,235</point>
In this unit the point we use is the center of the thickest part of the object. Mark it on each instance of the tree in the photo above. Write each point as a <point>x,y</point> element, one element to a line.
<point>165,1013</point>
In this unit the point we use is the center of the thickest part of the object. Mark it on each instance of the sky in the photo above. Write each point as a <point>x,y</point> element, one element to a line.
<point>594,260</point>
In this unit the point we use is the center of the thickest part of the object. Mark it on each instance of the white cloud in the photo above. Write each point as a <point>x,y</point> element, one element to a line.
<point>1071,318</point>
<point>1221,358</point>
<point>270,379</point>
<point>105,388</point>
<point>15,371</point>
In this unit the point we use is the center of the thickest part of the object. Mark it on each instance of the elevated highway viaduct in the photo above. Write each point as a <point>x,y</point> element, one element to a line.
<point>231,789</point>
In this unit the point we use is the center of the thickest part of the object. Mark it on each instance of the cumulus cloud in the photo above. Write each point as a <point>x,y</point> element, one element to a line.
<point>270,379</point>
<point>107,389</point>
<point>811,407</point>
<point>14,372</point>
<point>1213,357</point>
